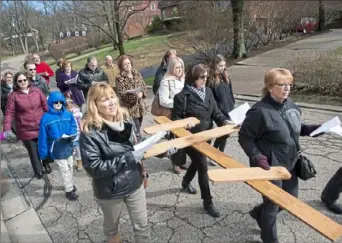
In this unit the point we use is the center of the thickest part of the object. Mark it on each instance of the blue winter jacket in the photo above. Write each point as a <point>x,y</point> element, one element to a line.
<point>53,125</point>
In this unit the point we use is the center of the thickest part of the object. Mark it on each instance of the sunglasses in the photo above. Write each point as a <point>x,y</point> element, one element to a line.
<point>203,76</point>
<point>32,69</point>
<point>21,80</point>
<point>58,102</point>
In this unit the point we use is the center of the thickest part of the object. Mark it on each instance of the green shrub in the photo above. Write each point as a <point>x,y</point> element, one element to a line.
<point>155,25</point>
<point>317,73</point>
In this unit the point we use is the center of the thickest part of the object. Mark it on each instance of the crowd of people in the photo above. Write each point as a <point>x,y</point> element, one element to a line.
<point>96,116</point>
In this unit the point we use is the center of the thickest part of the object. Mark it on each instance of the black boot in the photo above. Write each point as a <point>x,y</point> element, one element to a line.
<point>211,209</point>
<point>188,187</point>
<point>71,196</point>
<point>332,191</point>
<point>255,213</point>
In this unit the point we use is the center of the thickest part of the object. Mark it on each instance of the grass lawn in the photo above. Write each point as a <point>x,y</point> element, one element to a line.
<point>146,51</point>
<point>339,50</point>
<point>149,81</point>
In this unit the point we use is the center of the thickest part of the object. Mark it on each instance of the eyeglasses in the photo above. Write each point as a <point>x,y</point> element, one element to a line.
<point>203,76</point>
<point>283,85</point>
<point>32,69</point>
<point>21,80</point>
<point>58,102</point>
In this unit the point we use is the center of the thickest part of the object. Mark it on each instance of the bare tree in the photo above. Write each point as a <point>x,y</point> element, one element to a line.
<point>108,16</point>
<point>239,39</point>
<point>321,15</point>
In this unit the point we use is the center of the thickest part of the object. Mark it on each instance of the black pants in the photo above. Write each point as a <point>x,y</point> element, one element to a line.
<point>333,188</point>
<point>32,149</point>
<point>199,163</point>
<point>267,211</point>
<point>221,142</point>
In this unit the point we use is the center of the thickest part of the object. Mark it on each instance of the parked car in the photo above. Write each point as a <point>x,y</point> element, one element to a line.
<point>307,25</point>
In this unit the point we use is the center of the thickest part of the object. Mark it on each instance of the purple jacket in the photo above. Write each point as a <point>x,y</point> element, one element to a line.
<point>76,94</point>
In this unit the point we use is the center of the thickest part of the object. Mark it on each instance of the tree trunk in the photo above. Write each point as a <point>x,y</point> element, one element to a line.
<point>239,40</point>
<point>120,44</point>
<point>321,15</point>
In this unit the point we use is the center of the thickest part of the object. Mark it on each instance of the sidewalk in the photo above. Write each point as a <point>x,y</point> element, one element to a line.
<point>19,220</point>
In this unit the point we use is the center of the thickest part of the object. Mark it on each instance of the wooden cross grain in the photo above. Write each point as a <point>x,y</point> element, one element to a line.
<point>318,221</point>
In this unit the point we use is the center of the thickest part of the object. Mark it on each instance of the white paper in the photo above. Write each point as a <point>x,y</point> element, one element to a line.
<point>134,91</point>
<point>141,148</point>
<point>238,115</point>
<point>71,81</point>
<point>331,126</point>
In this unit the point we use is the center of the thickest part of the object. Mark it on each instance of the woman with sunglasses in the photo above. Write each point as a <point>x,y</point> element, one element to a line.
<point>195,100</point>
<point>26,104</point>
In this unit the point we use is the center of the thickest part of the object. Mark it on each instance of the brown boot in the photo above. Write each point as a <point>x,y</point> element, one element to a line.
<point>115,239</point>
<point>79,165</point>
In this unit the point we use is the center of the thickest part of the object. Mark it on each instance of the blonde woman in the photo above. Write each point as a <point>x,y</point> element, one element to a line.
<point>172,84</point>
<point>269,136</point>
<point>106,148</point>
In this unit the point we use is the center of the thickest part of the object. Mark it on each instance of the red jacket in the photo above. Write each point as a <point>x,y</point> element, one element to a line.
<point>27,110</point>
<point>44,67</point>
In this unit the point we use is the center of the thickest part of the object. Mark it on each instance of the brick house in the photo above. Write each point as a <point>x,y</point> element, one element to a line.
<point>169,8</point>
<point>136,24</point>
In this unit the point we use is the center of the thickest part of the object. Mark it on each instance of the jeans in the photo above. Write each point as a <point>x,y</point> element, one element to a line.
<point>32,149</point>
<point>333,188</point>
<point>138,123</point>
<point>199,163</point>
<point>66,169</point>
<point>136,206</point>
<point>267,211</point>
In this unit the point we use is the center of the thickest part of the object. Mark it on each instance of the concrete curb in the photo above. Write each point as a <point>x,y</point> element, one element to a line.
<point>256,98</point>
<point>19,217</point>
<point>4,237</point>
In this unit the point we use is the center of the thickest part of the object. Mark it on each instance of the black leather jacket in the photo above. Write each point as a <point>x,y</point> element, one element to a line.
<point>86,77</point>
<point>108,159</point>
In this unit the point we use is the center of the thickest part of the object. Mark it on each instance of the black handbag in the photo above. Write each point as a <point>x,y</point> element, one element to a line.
<point>304,167</point>
<point>179,158</point>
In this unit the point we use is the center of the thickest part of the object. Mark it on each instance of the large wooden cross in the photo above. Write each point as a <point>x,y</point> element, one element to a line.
<point>318,221</point>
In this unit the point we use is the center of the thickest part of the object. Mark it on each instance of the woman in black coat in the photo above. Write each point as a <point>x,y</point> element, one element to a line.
<point>221,86</point>
<point>269,136</point>
<point>195,100</point>
<point>6,89</point>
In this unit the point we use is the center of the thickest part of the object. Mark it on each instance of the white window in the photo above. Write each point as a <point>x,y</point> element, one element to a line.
<point>130,8</point>
<point>153,6</point>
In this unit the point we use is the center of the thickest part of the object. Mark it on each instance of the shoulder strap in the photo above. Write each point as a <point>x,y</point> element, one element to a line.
<point>185,103</point>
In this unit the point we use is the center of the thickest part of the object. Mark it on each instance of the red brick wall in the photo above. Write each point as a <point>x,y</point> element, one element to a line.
<point>137,23</point>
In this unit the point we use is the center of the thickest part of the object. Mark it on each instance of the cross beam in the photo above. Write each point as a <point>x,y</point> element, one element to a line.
<point>315,219</point>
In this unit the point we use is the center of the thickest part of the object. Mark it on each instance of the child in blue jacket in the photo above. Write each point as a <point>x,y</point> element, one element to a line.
<point>57,131</point>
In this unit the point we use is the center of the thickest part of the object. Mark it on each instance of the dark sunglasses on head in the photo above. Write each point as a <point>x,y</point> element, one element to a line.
<point>32,69</point>
<point>58,102</point>
<point>203,76</point>
<point>21,80</point>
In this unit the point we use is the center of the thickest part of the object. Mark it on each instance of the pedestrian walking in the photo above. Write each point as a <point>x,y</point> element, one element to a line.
<point>195,100</point>
<point>332,192</point>
<point>221,85</point>
<point>43,69</point>
<point>269,136</point>
<point>27,104</point>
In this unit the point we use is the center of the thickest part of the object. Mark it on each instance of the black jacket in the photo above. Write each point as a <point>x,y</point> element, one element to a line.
<point>86,77</point>
<point>159,75</point>
<point>39,82</point>
<point>5,90</point>
<point>265,132</point>
<point>223,93</point>
<point>206,111</point>
<point>108,159</point>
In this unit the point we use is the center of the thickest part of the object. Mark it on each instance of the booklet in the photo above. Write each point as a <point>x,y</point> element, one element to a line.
<point>141,148</point>
<point>331,126</point>
<point>238,115</point>
<point>134,91</point>
<point>72,81</point>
